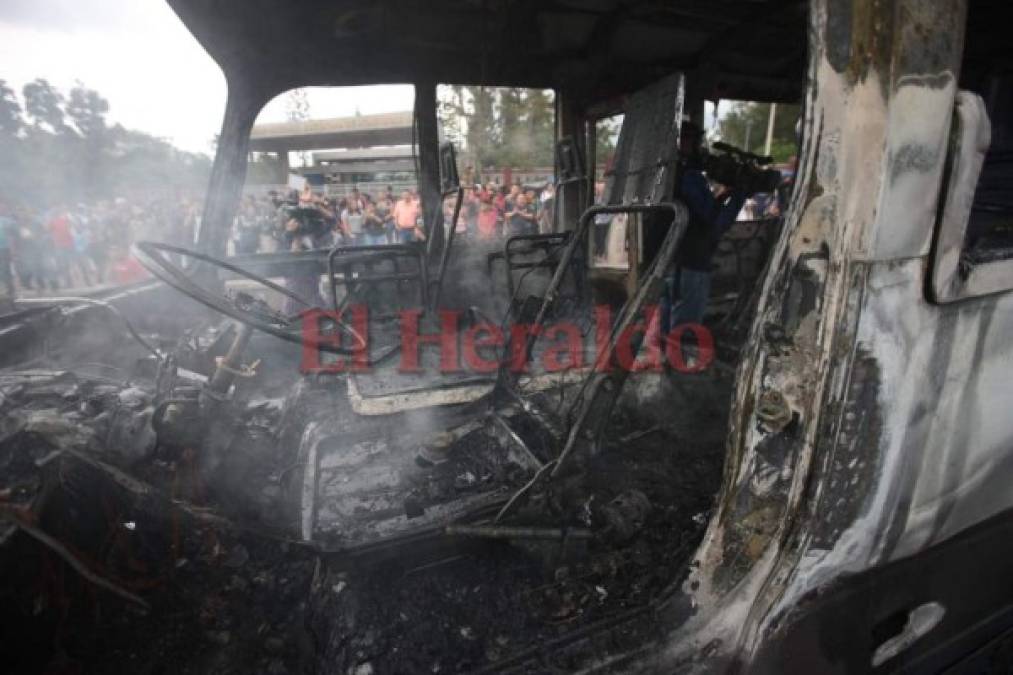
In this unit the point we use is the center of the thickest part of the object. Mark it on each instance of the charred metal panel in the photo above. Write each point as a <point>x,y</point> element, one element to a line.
<point>954,274</point>
<point>898,64</point>
<point>646,154</point>
<point>843,626</point>
<point>868,424</point>
<point>591,48</point>
<point>916,452</point>
<point>947,444</point>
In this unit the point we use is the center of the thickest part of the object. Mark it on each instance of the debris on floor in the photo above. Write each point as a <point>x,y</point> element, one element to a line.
<point>120,553</point>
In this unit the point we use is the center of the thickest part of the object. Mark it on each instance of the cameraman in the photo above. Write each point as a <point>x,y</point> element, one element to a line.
<point>711,213</point>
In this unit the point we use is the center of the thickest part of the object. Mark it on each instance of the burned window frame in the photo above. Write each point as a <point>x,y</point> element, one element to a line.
<point>956,274</point>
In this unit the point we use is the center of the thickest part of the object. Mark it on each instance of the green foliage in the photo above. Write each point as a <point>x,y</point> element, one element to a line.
<point>10,111</point>
<point>87,109</point>
<point>606,137</point>
<point>44,106</point>
<point>265,168</point>
<point>499,127</point>
<point>297,105</point>
<point>297,109</point>
<point>745,126</point>
<point>61,149</point>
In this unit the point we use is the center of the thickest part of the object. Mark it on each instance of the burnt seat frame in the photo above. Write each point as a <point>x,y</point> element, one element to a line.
<point>641,183</point>
<point>420,252</point>
<point>518,248</point>
<point>368,257</point>
<point>600,389</point>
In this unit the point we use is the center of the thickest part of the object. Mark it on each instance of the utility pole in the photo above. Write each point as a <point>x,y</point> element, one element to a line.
<point>770,129</point>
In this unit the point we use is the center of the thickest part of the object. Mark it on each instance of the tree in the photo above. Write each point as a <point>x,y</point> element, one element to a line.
<point>265,168</point>
<point>68,152</point>
<point>44,105</point>
<point>297,109</point>
<point>87,110</point>
<point>499,127</point>
<point>606,138</point>
<point>745,126</point>
<point>139,161</point>
<point>297,105</point>
<point>11,123</point>
<point>483,135</point>
<point>10,111</point>
<point>541,122</point>
<point>450,107</point>
<point>514,142</point>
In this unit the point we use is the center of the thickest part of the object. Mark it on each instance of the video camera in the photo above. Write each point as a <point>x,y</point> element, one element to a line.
<point>311,220</point>
<point>738,169</point>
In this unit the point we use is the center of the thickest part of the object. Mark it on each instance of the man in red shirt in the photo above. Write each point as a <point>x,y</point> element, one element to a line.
<point>63,244</point>
<point>487,217</point>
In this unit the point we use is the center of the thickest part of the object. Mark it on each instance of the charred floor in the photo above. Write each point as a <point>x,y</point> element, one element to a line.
<point>116,560</point>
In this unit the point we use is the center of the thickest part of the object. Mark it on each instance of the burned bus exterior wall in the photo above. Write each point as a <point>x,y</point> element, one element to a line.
<point>868,424</point>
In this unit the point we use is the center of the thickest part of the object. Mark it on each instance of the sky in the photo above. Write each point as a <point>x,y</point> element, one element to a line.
<point>155,75</point>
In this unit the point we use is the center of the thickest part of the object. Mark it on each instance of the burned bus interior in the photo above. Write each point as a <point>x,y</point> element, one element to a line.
<point>200,501</point>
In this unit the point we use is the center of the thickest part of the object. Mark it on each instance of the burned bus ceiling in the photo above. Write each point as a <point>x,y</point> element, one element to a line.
<point>592,48</point>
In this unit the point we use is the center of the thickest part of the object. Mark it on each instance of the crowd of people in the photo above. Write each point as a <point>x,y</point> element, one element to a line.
<point>71,246</point>
<point>303,220</point>
<point>492,212</point>
<point>83,245</point>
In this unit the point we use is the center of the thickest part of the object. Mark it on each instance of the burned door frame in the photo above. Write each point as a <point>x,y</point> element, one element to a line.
<point>955,274</point>
<point>867,432</point>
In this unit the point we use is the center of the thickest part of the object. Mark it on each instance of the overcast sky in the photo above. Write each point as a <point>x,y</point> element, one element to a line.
<point>138,54</point>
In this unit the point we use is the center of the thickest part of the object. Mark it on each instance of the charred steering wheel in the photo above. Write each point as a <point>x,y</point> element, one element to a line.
<point>243,307</point>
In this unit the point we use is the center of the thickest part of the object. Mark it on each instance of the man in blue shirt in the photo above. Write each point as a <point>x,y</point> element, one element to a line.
<point>711,213</point>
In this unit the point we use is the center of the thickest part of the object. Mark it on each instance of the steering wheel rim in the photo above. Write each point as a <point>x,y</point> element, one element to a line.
<point>151,255</point>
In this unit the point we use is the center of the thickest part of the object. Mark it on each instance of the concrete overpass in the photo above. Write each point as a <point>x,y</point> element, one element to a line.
<point>365,160</point>
<point>359,131</point>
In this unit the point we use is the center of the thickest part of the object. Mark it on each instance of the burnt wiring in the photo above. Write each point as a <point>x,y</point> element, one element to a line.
<point>98,303</point>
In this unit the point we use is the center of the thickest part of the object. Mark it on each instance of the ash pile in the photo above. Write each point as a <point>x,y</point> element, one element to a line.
<point>122,550</point>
